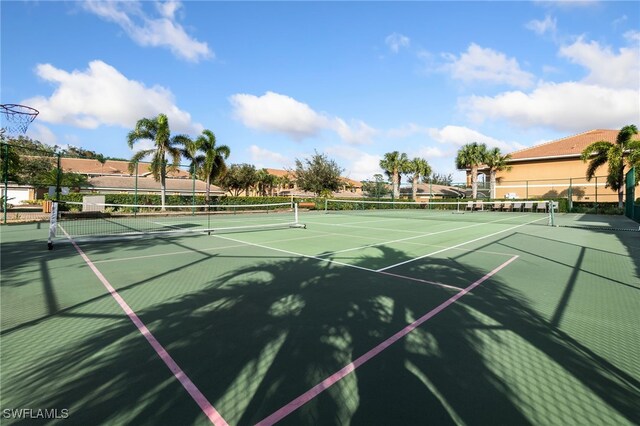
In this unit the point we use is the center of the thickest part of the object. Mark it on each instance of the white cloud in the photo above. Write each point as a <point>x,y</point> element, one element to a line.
<point>162,31</point>
<point>606,98</point>
<point>262,157</point>
<point>396,41</point>
<point>567,107</point>
<point>358,133</point>
<point>430,152</point>
<point>358,165</point>
<point>42,133</point>
<point>488,65</point>
<point>276,113</point>
<point>632,36</point>
<point>101,95</point>
<point>407,130</point>
<point>459,136</point>
<point>605,66</point>
<point>542,27</point>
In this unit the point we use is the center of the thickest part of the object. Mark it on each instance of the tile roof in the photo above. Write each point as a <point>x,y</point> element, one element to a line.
<point>442,190</point>
<point>571,146</point>
<point>148,183</point>
<point>110,167</point>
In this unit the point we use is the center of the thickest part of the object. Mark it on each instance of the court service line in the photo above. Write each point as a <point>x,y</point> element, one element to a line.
<point>349,368</point>
<point>212,414</point>
<point>454,247</point>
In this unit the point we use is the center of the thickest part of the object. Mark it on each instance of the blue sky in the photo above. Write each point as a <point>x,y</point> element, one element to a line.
<point>276,81</point>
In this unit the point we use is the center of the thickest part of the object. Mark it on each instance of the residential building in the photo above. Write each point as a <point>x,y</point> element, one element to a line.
<point>554,169</point>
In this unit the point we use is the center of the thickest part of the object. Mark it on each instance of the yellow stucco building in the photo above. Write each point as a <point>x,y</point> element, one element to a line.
<point>555,170</point>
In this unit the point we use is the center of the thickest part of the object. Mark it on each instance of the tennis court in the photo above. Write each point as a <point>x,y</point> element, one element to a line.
<point>360,317</point>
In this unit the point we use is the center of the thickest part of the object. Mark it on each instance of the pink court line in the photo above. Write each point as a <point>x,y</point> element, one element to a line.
<point>212,414</point>
<point>344,371</point>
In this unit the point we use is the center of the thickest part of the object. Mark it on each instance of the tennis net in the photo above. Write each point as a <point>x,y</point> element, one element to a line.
<point>540,212</point>
<point>99,220</point>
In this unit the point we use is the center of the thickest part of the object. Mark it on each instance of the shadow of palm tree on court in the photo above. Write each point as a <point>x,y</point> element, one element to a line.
<point>258,336</point>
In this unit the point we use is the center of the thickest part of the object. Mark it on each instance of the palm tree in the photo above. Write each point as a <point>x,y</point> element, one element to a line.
<point>469,157</point>
<point>393,164</point>
<point>418,167</point>
<point>190,152</point>
<point>614,154</point>
<point>212,162</point>
<point>496,162</point>
<point>265,182</point>
<point>157,130</point>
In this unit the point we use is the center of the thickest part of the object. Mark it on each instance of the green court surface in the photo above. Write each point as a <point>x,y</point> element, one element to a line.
<point>357,319</point>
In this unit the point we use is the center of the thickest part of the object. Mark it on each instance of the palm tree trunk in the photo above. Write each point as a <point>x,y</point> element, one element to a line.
<point>206,197</point>
<point>622,187</point>
<point>621,198</point>
<point>163,185</point>
<point>493,184</point>
<point>395,184</point>
<point>414,187</point>
<point>163,192</point>
<point>474,182</point>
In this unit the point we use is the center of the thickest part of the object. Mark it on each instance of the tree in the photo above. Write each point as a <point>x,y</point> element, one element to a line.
<point>266,182</point>
<point>376,188</point>
<point>318,174</point>
<point>417,167</point>
<point>469,157</point>
<point>212,162</point>
<point>238,178</point>
<point>439,179</point>
<point>615,155</point>
<point>496,162</point>
<point>393,164</point>
<point>157,130</point>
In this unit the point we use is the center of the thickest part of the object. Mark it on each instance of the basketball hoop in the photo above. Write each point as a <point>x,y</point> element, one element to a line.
<point>16,118</point>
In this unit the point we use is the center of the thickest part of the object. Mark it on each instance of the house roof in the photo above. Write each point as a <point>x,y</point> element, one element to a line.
<point>149,183</point>
<point>110,167</point>
<point>571,146</point>
<point>280,173</point>
<point>426,189</point>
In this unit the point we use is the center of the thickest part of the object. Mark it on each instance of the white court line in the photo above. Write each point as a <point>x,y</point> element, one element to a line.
<point>457,245</point>
<point>378,271</point>
<point>416,236</point>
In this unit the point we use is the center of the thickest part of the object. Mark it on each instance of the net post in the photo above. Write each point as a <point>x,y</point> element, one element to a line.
<point>552,217</point>
<point>58,176</point>
<point>295,213</point>
<point>193,193</point>
<point>135,191</point>
<point>326,205</point>
<point>53,224</point>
